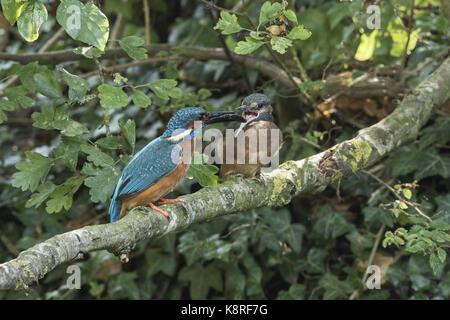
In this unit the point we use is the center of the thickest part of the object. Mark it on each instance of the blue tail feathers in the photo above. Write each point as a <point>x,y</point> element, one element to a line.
<point>114,209</point>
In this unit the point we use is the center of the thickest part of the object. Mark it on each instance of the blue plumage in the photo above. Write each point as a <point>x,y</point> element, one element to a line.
<point>159,159</point>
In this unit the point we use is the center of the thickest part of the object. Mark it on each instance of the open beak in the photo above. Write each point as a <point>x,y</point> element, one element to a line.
<point>221,116</point>
<point>248,114</point>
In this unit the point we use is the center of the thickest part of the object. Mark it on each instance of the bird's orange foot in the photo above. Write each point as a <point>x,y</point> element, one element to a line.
<point>167,201</point>
<point>153,207</point>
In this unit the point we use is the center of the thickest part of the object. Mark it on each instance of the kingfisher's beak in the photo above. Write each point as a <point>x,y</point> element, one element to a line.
<point>221,116</point>
<point>243,107</point>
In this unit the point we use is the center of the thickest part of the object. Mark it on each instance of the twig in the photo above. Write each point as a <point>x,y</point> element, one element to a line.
<point>409,203</point>
<point>410,27</point>
<point>147,22</point>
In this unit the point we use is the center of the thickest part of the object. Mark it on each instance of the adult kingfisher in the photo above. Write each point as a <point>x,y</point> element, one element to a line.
<point>158,168</point>
<point>257,112</point>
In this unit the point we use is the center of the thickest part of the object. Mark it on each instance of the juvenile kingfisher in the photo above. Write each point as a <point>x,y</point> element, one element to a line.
<point>257,112</point>
<point>158,168</point>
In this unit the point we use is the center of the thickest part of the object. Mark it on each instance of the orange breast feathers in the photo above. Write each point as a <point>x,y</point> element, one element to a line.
<point>163,186</point>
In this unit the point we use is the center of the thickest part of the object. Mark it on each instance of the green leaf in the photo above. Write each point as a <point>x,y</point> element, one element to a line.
<point>47,116</point>
<point>31,173</point>
<point>97,157</point>
<point>442,255</point>
<point>26,75</point>
<point>61,197</point>
<point>131,46</point>
<point>270,11</point>
<point>47,84</point>
<point>165,88</point>
<point>43,192</point>
<point>299,33</point>
<point>112,97</point>
<point>3,117</point>
<point>123,285</point>
<point>291,16</point>
<point>228,23</point>
<point>67,150</point>
<point>280,44</point>
<point>78,87</point>
<point>204,174</point>
<point>334,288</point>
<point>407,193</point>
<point>235,282</point>
<point>433,164</point>
<point>366,46</point>
<point>101,182</point>
<point>17,96</point>
<point>110,142</point>
<point>89,52</point>
<point>200,285</point>
<point>70,128</point>
<point>33,15</point>
<point>438,132</point>
<point>247,46</point>
<point>256,35</point>
<point>85,23</point>
<point>12,9</point>
<point>128,130</point>
<point>295,292</point>
<point>434,262</point>
<point>140,99</point>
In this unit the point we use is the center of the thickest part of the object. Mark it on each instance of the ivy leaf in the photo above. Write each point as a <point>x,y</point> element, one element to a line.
<point>270,11</point>
<point>61,197</point>
<point>433,164</point>
<point>131,46</point>
<point>47,84</point>
<point>140,99</point>
<point>31,173</point>
<point>12,9</point>
<point>85,23</point>
<point>228,23</point>
<point>112,97</point>
<point>44,191</point>
<point>165,88</point>
<point>78,87</point>
<point>199,286</point>
<point>128,130</point>
<point>33,15</point>
<point>299,33</point>
<point>101,183</point>
<point>295,292</point>
<point>438,132</point>
<point>334,288</point>
<point>291,16</point>
<point>279,44</point>
<point>247,46</point>
<point>97,157</point>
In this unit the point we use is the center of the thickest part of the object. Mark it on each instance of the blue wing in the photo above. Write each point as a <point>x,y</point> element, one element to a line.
<point>147,167</point>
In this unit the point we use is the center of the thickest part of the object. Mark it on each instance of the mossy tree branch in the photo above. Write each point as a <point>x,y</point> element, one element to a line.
<point>312,174</point>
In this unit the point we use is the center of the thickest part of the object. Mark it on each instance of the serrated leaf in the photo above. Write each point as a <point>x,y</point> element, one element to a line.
<point>140,99</point>
<point>97,157</point>
<point>33,15</point>
<point>280,44</point>
<point>12,9</point>
<point>247,46</point>
<point>70,128</point>
<point>204,174</point>
<point>112,97</point>
<point>17,96</point>
<point>43,192</point>
<point>256,35</point>
<point>101,182</point>
<point>128,130</point>
<point>299,33</point>
<point>434,262</point>
<point>165,88</point>
<point>85,23</point>
<point>228,23</point>
<point>110,142</point>
<point>67,150</point>
<point>442,255</point>
<point>78,87</point>
<point>26,75</point>
<point>131,46</point>
<point>47,116</point>
<point>270,11</point>
<point>31,173</point>
<point>61,197</point>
